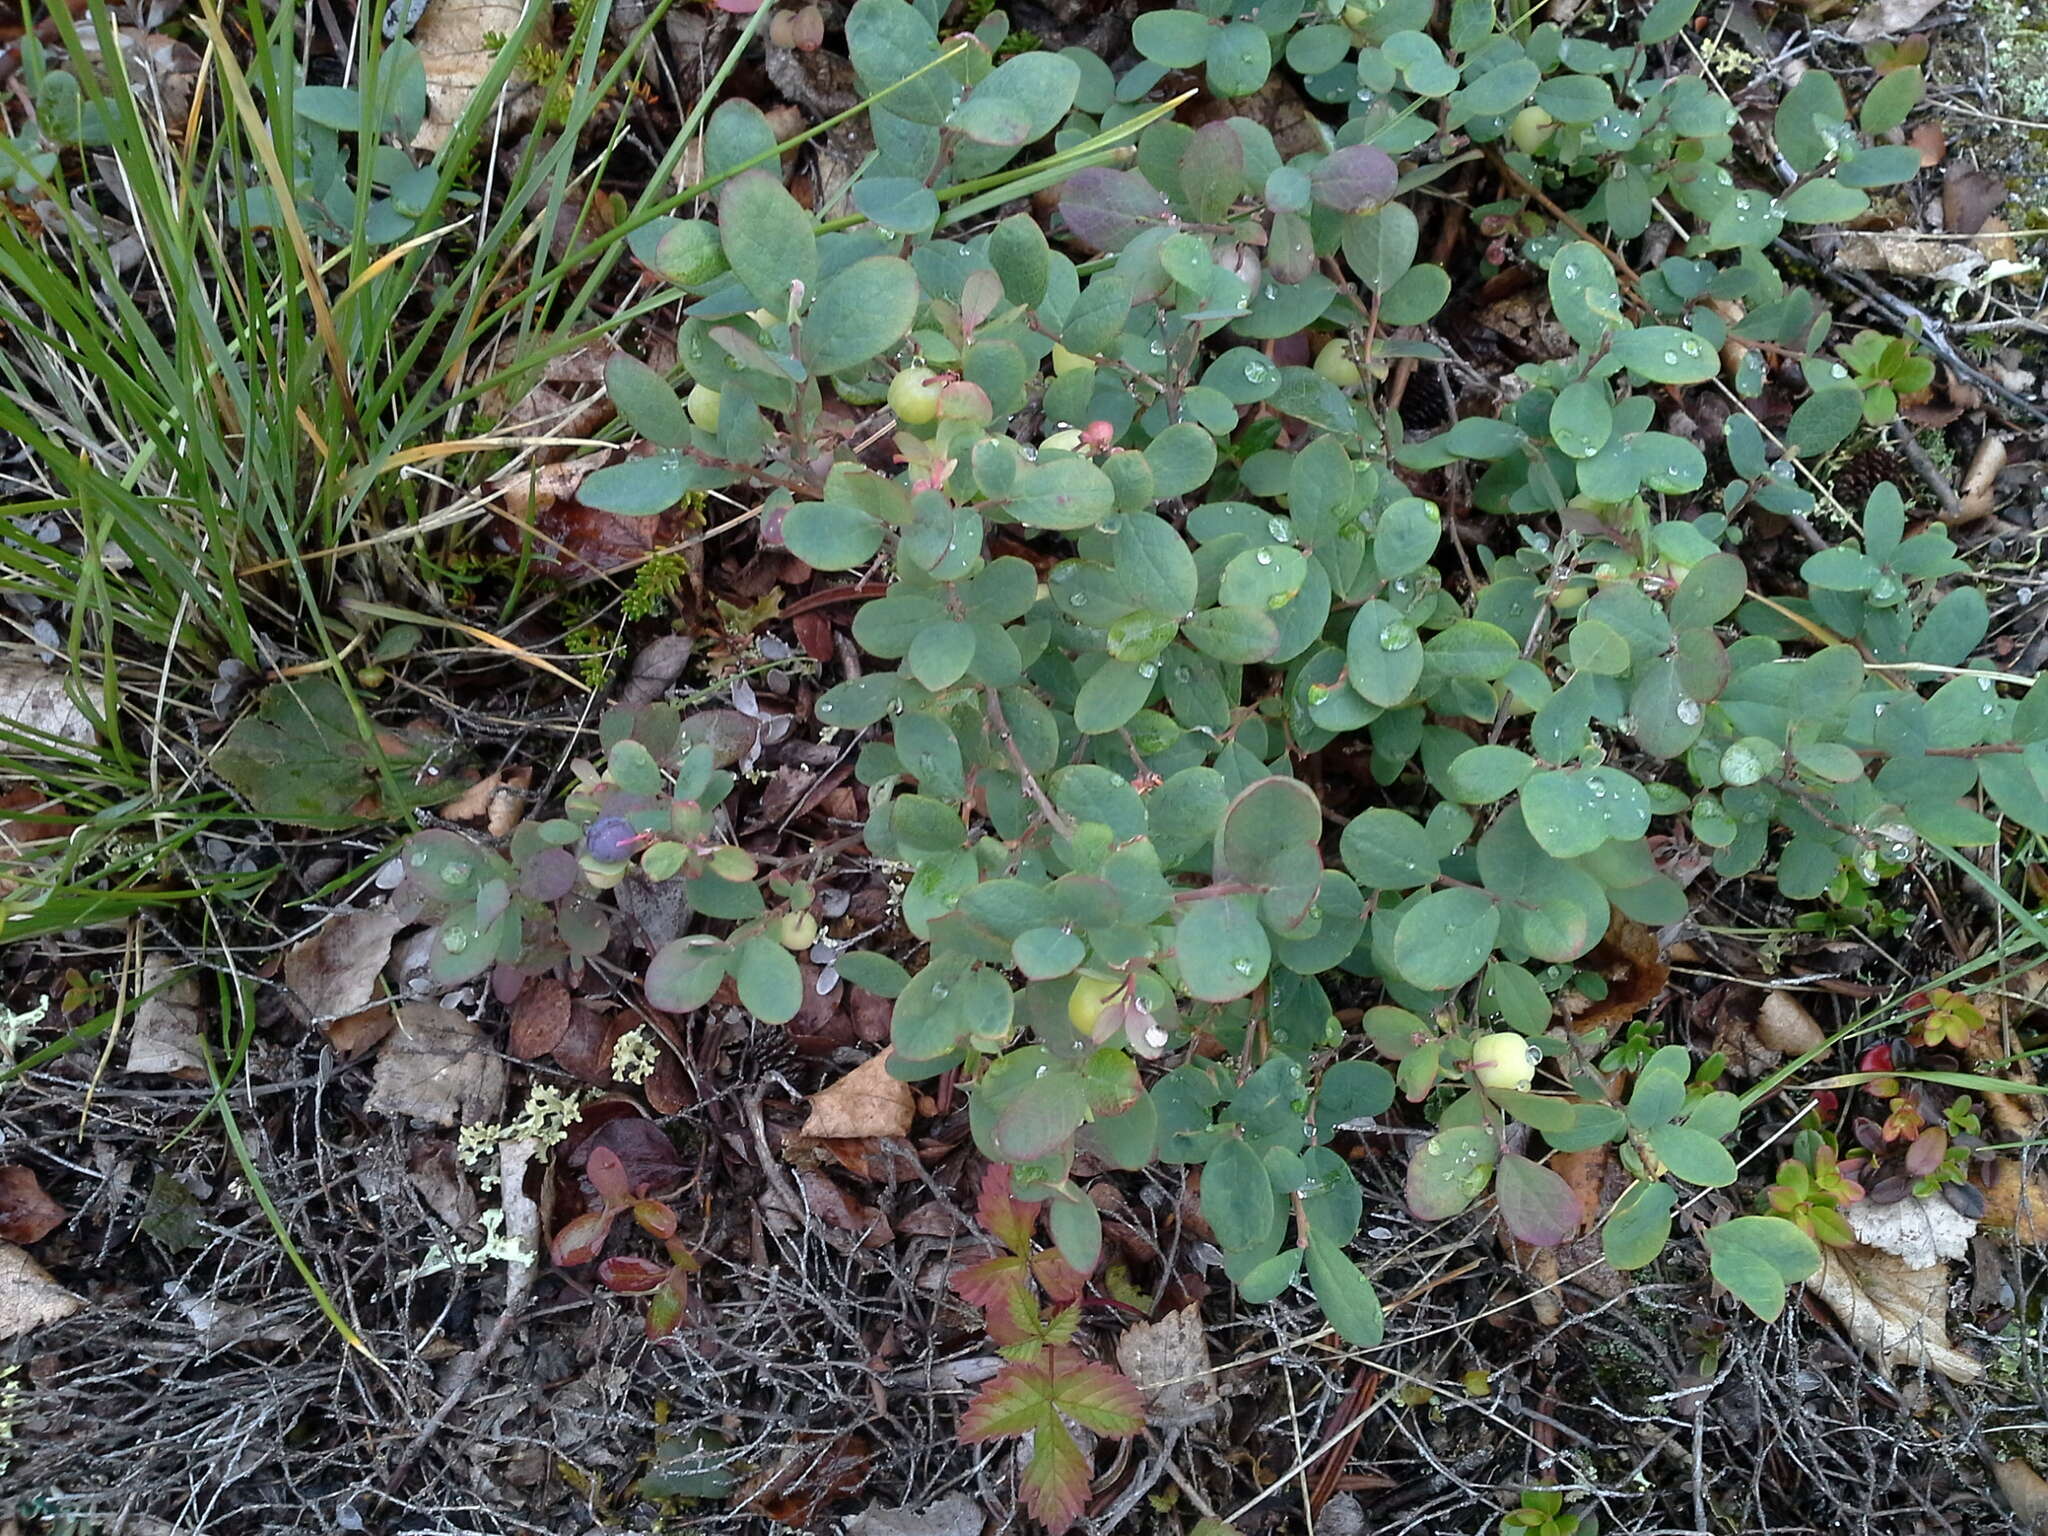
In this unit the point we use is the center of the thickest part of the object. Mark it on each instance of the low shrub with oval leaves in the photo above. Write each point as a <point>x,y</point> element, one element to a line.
<point>1143,564</point>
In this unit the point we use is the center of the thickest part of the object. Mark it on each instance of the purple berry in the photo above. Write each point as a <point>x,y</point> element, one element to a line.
<point>611,838</point>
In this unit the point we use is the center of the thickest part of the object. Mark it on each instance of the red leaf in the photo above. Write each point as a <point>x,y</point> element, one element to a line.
<point>991,1282</point>
<point>579,1241</point>
<point>608,1176</point>
<point>629,1275</point>
<point>1057,1482</point>
<point>655,1218</point>
<point>1029,1398</point>
<point>27,1215</point>
<point>1008,1220</point>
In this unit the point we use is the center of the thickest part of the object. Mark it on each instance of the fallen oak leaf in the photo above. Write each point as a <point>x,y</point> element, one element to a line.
<point>1898,1315</point>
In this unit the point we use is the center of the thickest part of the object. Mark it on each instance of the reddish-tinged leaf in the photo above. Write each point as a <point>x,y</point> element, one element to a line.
<point>1029,1398</point>
<point>987,1284</point>
<point>1537,1205</point>
<point>1061,1282</point>
<point>655,1218</point>
<point>665,1312</point>
<point>27,1214</point>
<point>630,1275</point>
<point>608,1176</point>
<point>1056,1483</point>
<point>1008,1220</point>
<point>1013,1318</point>
<point>579,1241</point>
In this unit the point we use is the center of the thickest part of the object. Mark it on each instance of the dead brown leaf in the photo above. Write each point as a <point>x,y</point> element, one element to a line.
<point>356,1034</point>
<point>2017,1203</point>
<point>497,799</point>
<point>165,1034</point>
<point>539,1019</point>
<point>816,1470</point>
<point>865,1102</point>
<point>335,971</point>
<point>2026,1492</point>
<point>452,37</point>
<point>1899,1315</point>
<point>1784,1025</point>
<point>27,1214</point>
<point>437,1067</point>
<point>29,1297</point>
<point>37,698</point>
<point>1169,1360</point>
<point>1887,18</point>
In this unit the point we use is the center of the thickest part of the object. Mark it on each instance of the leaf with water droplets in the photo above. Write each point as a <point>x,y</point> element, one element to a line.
<point>1449,1171</point>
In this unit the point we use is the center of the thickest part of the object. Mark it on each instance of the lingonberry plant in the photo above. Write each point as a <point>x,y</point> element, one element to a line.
<point>1148,572</point>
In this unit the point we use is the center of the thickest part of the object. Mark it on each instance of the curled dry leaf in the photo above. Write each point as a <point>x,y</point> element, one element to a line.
<point>2017,1202</point>
<point>165,1034</point>
<point>1899,1315</point>
<point>29,1298</point>
<point>1784,1025</point>
<point>438,1067</point>
<point>1169,1360</point>
<point>1979,489</point>
<point>1887,18</point>
<point>498,800</point>
<point>865,1102</point>
<point>37,699</point>
<point>27,1214</point>
<point>452,37</point>
<point>1919,1232</point>
<point>335,971</point>
<point>2026,1492</point>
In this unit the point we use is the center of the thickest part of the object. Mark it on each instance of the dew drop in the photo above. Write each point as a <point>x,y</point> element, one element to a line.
<point>1265,557</point>
<point>1571,272</point>
<point>1396,637</point>
<point>1670,359</point>
<point>1157,348</point>
<point>1181,674</point>
<point>1078,600</point>
<point>1688,712</point>
<point>1149,669</point>
<point>455,940</point>
<point>1242,965</point>
<point>1155,1037</point>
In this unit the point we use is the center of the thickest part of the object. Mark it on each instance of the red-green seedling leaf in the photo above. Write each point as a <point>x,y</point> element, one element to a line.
<point>655,1218</point>
<point>579,1241</point>
<point>665,1312</point>
<point>607,1175</point>
<point>631,1275</point>
<point>1029,1399</point>
<point>1537,1205</point>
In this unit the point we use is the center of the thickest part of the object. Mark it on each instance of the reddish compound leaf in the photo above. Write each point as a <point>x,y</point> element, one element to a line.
<point>1028,1399</point>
